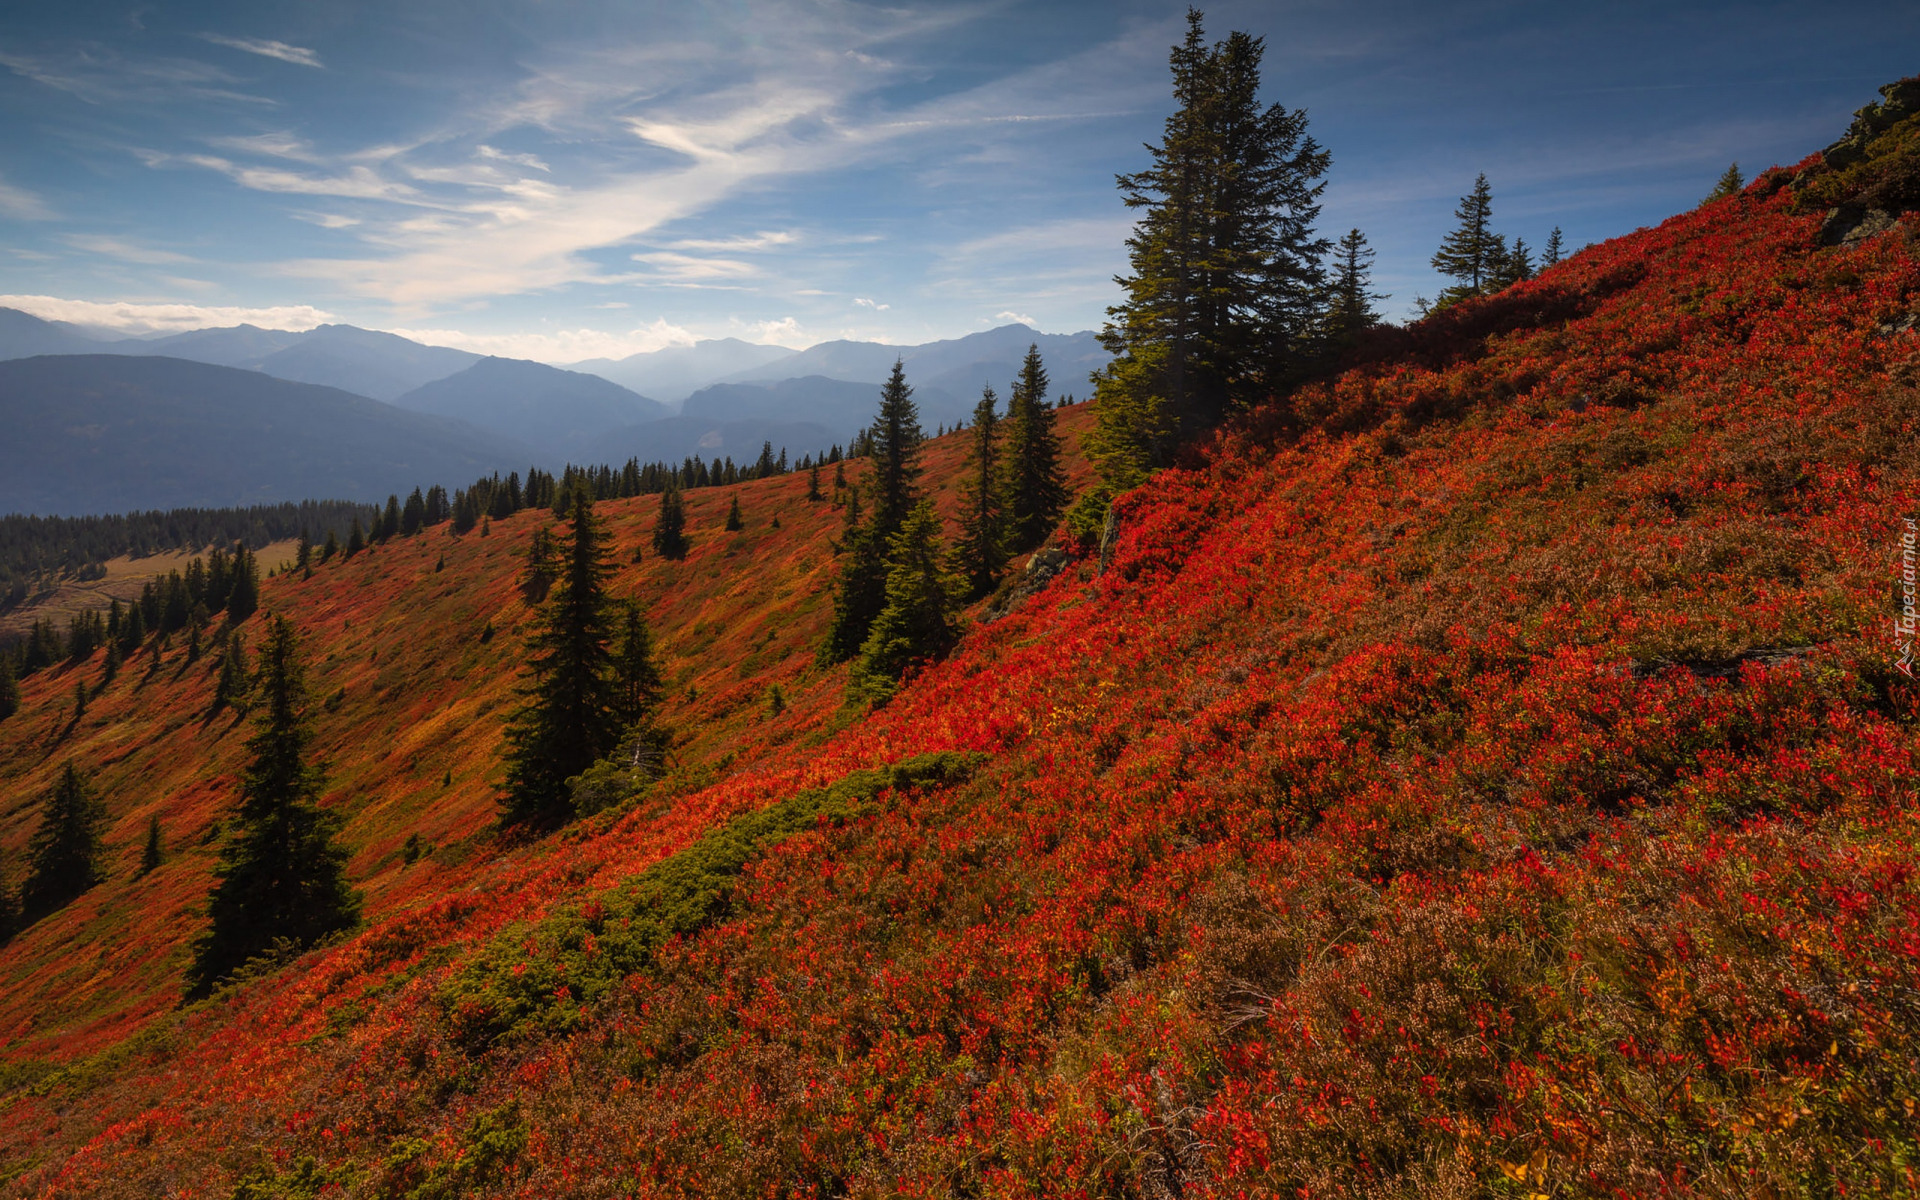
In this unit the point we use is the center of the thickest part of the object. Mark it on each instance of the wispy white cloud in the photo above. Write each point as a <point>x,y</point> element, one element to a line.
<point>1017,318</point>
<point>114,248</point>
<point>519,160</point>
<point>298,55</point>
<point>758,241</point>
<point>136,317</point>
<point>22,205</point>
<point>326,220</point>
<point>101,75</point>
<point>863,302</point>
<point>358,182</point>
<point>273,145</point>
<point>560,346</point>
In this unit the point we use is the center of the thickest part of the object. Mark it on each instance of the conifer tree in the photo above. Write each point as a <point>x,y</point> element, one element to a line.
<point>1225,266</point>
<point>79,700</point>
<point>388,523</point>
<point>413,517</point>
<point>916,622</point>
<point>283,876</point>
<point>1472,253</point>
<point>981,552</point>
<point>1729,184</point>
<point>892,491</point>
<point>153,853</point>
<point>9,687</point>
<point>244,596</point>
<point>1350,300</point>
<point>331,547</point>
<point>10,921</point>
<point>813,483</point>
<point>356,539</point>
<point>1034,489</point>
<point>638,684</point>
<point>670,529</point>
<point>230,689</point>
<point>110,664</point>
<point>63,859</point>
<point>1552,254</point>
<point>303,556</point>
<point>735,523</point>
<point>568,717</point>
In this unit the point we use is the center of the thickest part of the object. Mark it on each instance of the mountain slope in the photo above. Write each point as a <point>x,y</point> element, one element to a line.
<point>563,414</point>
<point>1484,773</point>
<point>112,433</point>
<point>23,335</point>
<point>363,361</point>
<point>234,346</point>
<point>674,372</point>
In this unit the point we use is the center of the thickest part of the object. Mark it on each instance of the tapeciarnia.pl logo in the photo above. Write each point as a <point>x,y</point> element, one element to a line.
<point>1904,621</point>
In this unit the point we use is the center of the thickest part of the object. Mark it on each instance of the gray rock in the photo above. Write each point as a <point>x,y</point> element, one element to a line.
<point>1849,226</point>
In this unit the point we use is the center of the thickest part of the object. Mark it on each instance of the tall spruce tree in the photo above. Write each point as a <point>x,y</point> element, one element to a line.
<point>981,550</point>
<point>1034,488</point>
<point>638,684</point>
<point>568,717</point>
<point>670,528</point>
<point>282,876</point>
<point>356,539</point>
<point>1729,184</point>
<point>916,623</point>
<point>63,858</point>
<point>243,595</point>
<point>1472,254</point>
<point>892,486</point>
<point>1225,267</point>
<point>735,522</point>
<point>1554,249</point>
<point>154,851</point>
<point>1350,297</point>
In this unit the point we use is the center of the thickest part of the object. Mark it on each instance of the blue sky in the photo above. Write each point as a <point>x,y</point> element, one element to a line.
<point>563,179</point>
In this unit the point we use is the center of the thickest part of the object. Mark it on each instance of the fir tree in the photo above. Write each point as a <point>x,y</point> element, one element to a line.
<point>356,539</point>
<point>1225,265</point>
<point>1034,489</point>
<point>1350,300</point>
<point>244,596</point>
<point>1730,183</point>
<point>110,664</point>
<point>670,529</point>
<point>63,859</point>
<point>1516,266</point>
<point>283,877</point>
<point>387,524</point>
<point>303,556</point>
<point>568,718</point>
<point>413,517</point>
<point>917,621</point>
<point>813,483</point>
<point>9,687</point>
<point>638,684</point>
<point>735,523</point>
<point>892,490</point>
<point>230,689</point>
<point>1552,254</point>
<point>981,550</point>
<point>79,700</point>
<point>152,854</point>
<point>1472,253</point>
<point>332,546</point>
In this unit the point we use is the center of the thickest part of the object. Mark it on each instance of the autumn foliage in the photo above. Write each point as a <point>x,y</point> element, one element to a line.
<point>1484,773</point>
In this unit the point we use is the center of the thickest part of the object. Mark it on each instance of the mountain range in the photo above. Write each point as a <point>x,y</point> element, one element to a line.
<point>731,396</point>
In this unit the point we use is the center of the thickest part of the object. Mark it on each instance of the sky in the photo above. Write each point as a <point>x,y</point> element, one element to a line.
<point>568,179</point>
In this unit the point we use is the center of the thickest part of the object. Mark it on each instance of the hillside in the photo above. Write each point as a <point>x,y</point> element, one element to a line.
<point>562,414</point>
<point>92,433</point>
<point>1485,773</point>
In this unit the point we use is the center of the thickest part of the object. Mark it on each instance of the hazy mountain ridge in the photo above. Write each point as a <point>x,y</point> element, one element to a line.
<point>563,414</point>
<point>115,433</point>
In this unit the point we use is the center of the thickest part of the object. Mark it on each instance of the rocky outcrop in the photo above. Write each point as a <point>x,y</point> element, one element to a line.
<point>1847,226</point>
<point>1898,101</point>
<point>1039,572</point>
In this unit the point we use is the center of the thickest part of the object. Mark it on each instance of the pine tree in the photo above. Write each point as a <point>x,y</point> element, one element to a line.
<point>9,687</point>
<point>1472,253</point>
<point>283,876</point>
<point>1515,266</point>
<point>332,546</point>
<point>568,718</point>
<point>892,491</point>
<point>63,859</point>
<point>1552,254</point>
<point>110,665</point>
<point>244,596</point>
<point>1350,300</point>
<point>670,529</point>
<point>79,700</point>
<point>153,853</point>
<point>917,621</point>
<point>1225,267</point>
<point>230,689</point>
<point>735,523</point>
<point>981,552</point>
<point>1730,183</point>
<point>413,517</point>
<point>813,483</point>
<point>1034,489</point>
<point>638,684</point>
<point>388,523</point>
<point>303,556</point>
<point>356,539</point>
